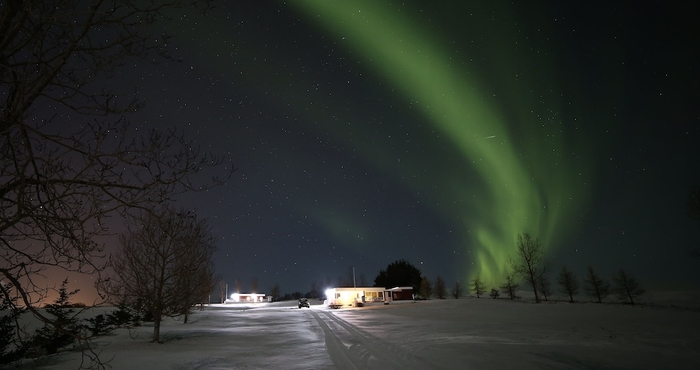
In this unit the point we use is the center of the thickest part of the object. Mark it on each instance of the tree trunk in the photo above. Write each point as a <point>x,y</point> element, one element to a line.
<point>156,328</point>
<point>534,286</point>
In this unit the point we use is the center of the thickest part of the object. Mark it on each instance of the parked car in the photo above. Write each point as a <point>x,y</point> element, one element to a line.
<point>304,302</point>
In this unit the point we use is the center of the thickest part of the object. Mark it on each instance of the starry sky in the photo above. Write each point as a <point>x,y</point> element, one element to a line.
<point>370,131</point>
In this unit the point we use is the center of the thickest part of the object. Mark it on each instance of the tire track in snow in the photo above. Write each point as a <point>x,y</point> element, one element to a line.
<point>352,348</point>
<point>335,347</point>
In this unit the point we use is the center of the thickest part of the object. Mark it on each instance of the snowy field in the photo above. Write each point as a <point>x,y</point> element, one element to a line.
<point>468,333</point>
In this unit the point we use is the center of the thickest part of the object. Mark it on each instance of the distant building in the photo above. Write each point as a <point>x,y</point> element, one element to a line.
<point>248,298</point>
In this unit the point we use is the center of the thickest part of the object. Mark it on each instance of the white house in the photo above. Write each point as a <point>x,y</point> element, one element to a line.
<point>247,298</point>
<point>340,297</point>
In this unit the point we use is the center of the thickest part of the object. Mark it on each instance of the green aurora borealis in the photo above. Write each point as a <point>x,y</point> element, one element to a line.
<point>370,131</point>
<point>504,115</point>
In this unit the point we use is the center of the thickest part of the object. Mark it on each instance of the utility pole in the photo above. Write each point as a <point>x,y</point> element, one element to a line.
<point>354,286</point>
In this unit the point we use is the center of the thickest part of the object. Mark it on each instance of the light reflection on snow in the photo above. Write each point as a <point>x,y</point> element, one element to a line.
<point>468,333</point>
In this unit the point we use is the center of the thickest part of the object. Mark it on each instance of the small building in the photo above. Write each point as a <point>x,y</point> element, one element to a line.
<point>401,293</point>
<point>355,296</point>
<point>247,298</point>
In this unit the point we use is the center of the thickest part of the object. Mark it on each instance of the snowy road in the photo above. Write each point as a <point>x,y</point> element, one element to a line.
<point>352,348</point>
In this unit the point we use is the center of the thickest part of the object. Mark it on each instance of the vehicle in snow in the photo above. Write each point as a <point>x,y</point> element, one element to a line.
<point>304,302</point>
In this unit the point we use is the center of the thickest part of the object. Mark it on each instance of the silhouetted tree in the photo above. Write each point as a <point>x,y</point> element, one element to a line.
<point>568,283</point>
<point>399,273</point>
<point>11,347</point>
<point>62,330</point>
<point>529,262</point>
<point>426,288</point>
<point>626,286</point>
<point>363,280</point>
<point>222,291</point>
<point>68,157</point>
<point>196,277</point>
<point>275,292</point>
<point>238,286</point>
<point>349,279</point>
<point>478,287</point>
<point>126,315</point>
<point>315,292</point>
<point>440,288</point>
<point>595,286</point>
<point>510,287</point>
<point>544,287</point>
<point>495,293</point>
<point>457,290</point>
<point>165,259</point>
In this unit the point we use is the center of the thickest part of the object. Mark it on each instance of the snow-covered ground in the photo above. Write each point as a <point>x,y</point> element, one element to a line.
<point>468,333</point>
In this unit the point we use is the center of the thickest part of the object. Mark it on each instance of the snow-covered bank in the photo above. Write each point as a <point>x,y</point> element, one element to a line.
<point>467,333</point>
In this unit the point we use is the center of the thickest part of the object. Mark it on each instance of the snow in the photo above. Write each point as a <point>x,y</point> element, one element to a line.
<point>468,333</point>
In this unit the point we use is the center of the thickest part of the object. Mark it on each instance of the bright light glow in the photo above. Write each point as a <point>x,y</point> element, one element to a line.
<point>235,297</point>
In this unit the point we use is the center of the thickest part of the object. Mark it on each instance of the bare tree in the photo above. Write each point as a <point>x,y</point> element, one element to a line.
<point>478,286</point>
<point>568,283</point>
<point>529,262</point>
<point>238,286</point>
<point>68,158</point>
<point>510,287</point>
<point>349,279</point>
<point>222,291</point>
<point>457,290</point>
<point>315,291</point>
<point>275,292</point>
<point>363,280</point>
<point>626,286</point>
<point>544,287</point>
<point>165,261</point>
<point>596,286</point>
<point>440,290</point>
<point>254,285</point>
<point>196,278</point>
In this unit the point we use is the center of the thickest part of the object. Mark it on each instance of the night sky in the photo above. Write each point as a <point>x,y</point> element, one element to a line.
<point>370,131</point>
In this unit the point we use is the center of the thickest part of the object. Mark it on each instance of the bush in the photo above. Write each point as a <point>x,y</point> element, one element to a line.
<point>62,330</point>
<point>124,316</point>
<point>495,293</point>
<point>98,326</point>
